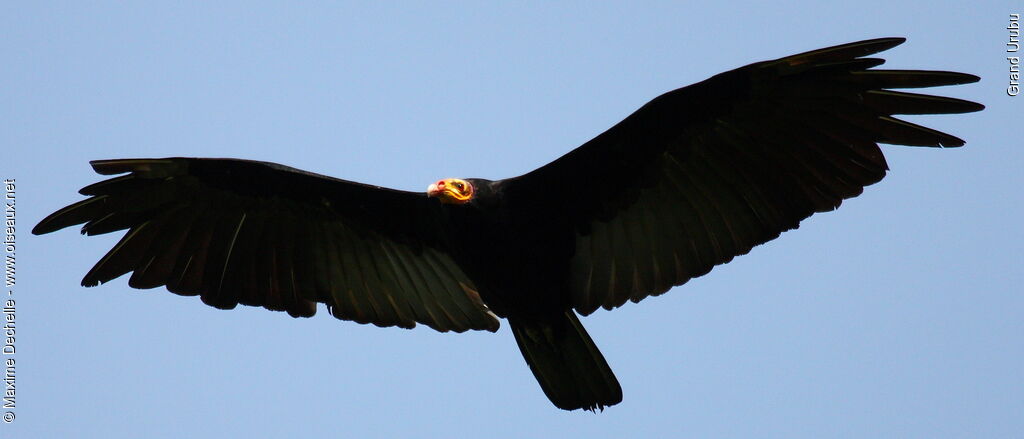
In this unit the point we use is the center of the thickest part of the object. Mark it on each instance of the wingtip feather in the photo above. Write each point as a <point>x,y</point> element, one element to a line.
<point>856,49</point>
<point>121,166</point>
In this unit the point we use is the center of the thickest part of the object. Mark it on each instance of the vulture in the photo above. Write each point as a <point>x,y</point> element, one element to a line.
<point>693,178</point>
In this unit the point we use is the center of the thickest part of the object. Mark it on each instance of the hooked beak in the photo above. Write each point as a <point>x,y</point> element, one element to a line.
<point>435,189</point>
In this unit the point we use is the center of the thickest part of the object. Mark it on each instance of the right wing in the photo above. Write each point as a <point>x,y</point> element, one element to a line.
<point>704,173</point>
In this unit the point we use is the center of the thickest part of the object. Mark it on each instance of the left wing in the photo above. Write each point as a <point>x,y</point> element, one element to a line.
<point>262,234</point>
<point>706,172</point>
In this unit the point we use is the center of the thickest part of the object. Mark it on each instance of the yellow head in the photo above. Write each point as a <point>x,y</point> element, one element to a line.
<point>451,191</point>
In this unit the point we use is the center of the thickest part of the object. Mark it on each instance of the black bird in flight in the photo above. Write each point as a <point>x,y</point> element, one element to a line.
<point>693,178</point>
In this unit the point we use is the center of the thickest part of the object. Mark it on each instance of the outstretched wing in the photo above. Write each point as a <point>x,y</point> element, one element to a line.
<point>704,173</point>
<point>255,233</point>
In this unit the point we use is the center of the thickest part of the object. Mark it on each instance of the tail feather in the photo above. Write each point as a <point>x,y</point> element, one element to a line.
<point>566,363</point>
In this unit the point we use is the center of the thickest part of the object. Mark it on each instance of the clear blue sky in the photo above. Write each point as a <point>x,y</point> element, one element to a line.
<point>899,315</point>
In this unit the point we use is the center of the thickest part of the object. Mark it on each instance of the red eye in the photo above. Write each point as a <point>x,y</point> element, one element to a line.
<point>458,185</point>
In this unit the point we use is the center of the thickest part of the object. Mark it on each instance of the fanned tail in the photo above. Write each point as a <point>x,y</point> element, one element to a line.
<point>566,363</point>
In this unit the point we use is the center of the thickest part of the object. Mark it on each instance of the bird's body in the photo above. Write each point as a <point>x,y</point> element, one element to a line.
<point>692,179</point>
<point>521,271</point>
